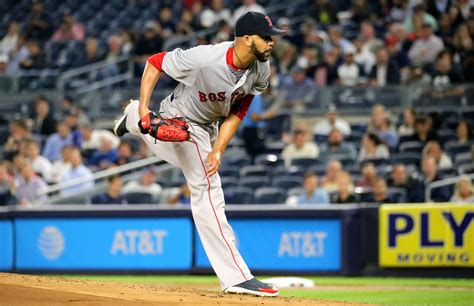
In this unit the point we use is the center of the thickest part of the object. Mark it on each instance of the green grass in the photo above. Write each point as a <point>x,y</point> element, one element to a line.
<point>374,295</point>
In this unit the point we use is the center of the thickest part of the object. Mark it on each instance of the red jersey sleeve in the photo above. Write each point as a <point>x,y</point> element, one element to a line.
<point>241,106</point>
<point>157,60</point>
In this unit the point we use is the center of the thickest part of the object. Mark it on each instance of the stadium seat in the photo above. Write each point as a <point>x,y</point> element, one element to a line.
<point>254,182</point>
<point>139,198</point>
<point>376,161</point>
<point>406,158</point>
<point>229,171</point>
<point>275,147</point>
<point>463,158</point>
<point>270,195</point>
<point>318,138</point>
<point>294,191</point>
<point>318,169</point>
<point>411,146</point>
<point>238,195</point>
<point>446,135</point>
<point>453,148</point>
<point>360,128</point>
<point>305,162</point>
<point>269,160</point>
<point>253,170</point>
<point>287,182</point>
<point>397,195</point>
<point>466,169</point>
<point>228,181</point>
<point>287,171</point>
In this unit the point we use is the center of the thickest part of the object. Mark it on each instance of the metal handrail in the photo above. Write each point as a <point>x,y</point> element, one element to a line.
<point>102,174</point>
<point>60,85</point>
<point>442,183</point>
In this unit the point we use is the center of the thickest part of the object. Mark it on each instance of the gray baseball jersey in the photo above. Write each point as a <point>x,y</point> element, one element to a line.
<point>210,88</point>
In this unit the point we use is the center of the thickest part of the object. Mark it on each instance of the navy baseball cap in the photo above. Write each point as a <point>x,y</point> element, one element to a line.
<point>254,23</point>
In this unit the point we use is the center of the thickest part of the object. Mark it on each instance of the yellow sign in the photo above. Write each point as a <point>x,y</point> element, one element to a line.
<point>426,235</point>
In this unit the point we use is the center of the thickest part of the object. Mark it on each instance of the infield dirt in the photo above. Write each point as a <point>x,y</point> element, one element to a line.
<point>20,289</point>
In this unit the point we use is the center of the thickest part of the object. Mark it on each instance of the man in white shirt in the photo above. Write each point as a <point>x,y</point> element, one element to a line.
<point>41,165</point>
<point>425,49</point>
<point>332,121</point>
<point>300,148</point>
<point>349,72</point>
<point>92,138</point>
<point>147,184</point>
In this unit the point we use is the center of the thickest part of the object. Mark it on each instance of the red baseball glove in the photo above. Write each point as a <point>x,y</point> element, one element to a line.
<point>164,129</point>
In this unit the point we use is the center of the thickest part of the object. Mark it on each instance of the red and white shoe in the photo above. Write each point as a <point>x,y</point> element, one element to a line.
<point>253,287</point>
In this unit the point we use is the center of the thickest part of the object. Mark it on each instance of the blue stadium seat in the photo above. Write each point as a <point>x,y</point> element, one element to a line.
<point>463,158</point>
<point>305,162</point>
<point>318,169</point>
<point>139,198</point>
<point>453,148</point>
<point>411,146</point>
<point>254,182</point>
<point>230,171</point>
<point>228,181</point>
<point>406,158</point>
<point>271,160</point>
<point>287,182</point>
<point>376,161</point>
<point>238,195</point>
<point>466,169</point>
<point>446,135</point>
<point>318,138</point>
<point>270,195</point>
<point>287,171</point>
<point>253,170</point>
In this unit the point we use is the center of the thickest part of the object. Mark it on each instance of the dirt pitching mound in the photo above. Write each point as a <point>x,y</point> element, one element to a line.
<point>19,289</point>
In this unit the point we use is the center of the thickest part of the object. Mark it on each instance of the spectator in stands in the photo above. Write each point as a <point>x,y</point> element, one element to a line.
<point>423,131</point>
<point>468,67</point>
<point>372,148</point>
<point>61,166</point>
<point>326,71</point>
<point>419,13</point>
<point>146,184</point>
<point>462,41</point>
<point>9,42</point>
<point>312,194</point>
<point>91,137</point>
<point>38,25</point>
<point>324,12</point>
<point>465,6</point>
<point>124,153</point>
<point>44,123</point>
<point>182,197</point>
<point>464,132</point>
<point>332,121</point>
<point>6,85</point>
<point>445,77</point>
<point>464,192</point>
<point>387,133</point>
<point>92,51</point>
<point>72,120</point>
<point>367,33</point>
<point>349,73</point>
<point>168,25</point>
<point>7,186</point>
<point>18,132</point>
<point>369,175</point>
<point>31,188</point>
<point>300,147</point>
<point>224,32</point>
<point>437,7</point>
<point>77,170</point>
<point>407,127</point>
<point>363,57</point>
<point>345,187</point>
<point>247,6</point>
<point>329,180</point>
<point>55,142</point>
<point>337,148</point>
<point>105,157</point>
<point>336,40</point>
<point>114,193</point>
<point>150,42</point>
<point>398,11</point>
<point>40,164</point>
<point>214,13</point>
<point>69,29</point>
<point>430,174</point>
<point>425,49</point>
<point>299,89</point>
<point>36,57</point>
<point>386,71</point>
<point>359,11</point>
<point>399,178</point>
<point>433,149</point>
<point>380,192</point>
<point>128,42</point>
<point>185,24</point>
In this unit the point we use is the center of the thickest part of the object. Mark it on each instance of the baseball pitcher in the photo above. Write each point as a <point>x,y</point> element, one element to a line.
<point>215,82</point>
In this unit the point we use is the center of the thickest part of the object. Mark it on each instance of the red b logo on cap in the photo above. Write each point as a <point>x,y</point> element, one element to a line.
<point>269,21</point>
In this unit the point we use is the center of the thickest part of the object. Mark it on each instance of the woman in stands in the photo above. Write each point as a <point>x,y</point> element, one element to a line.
<point>372,148</point>
<point>433,149</point>
<point>464,133</point>
<point>464,191</point>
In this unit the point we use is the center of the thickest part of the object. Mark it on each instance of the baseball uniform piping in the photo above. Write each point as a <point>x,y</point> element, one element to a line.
<point>214,211</point>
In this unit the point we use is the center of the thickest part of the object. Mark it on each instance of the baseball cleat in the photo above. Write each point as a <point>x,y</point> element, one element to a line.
<point>120,125</point>
<point>253,287</point>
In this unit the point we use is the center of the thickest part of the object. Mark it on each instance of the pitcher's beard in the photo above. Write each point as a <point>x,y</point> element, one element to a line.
<point>261,56</point>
